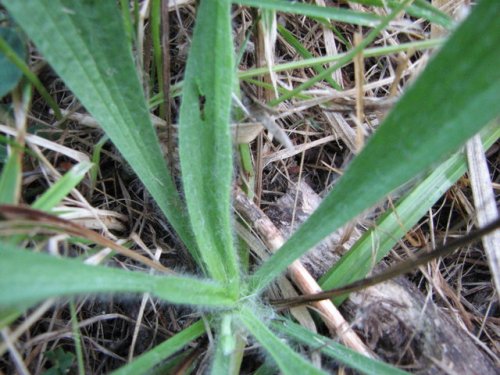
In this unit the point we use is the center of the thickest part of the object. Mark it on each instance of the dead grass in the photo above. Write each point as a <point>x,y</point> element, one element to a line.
<point>326,133</point>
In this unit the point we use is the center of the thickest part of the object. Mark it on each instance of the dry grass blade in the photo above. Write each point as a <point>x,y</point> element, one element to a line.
<point>484,200</point>
<point>30,218</point>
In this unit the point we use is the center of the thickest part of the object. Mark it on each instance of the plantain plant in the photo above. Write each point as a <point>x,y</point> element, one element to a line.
<point>87,43</point>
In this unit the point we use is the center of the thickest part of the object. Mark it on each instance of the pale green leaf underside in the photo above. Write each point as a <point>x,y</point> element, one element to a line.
<point>340,353</point>
<point>451,101</point>
<point>288,361</point>
<point>205,146</point>
<point>221,362</point>
<point>85,43</point>
<point>392,226</point>
<point>158,354</point>
<point>27,278</point>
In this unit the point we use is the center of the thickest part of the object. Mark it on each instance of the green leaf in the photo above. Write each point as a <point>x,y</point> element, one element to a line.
<point>429,123</point>
<point>61,188</point>
<point>419,9</point>
<point>11,174</point>
<point>304,52</point>
<point>221,362</point>
<point>9,73</point>
<point>318,61</point>
<point>365,42</point>
<point>393,225</point>
<point>61,361</point>
<point>10,179</point>
<point>331,13</point>
<point>85,43</point>
<point>229,347</point>
<point>288,361</point>
<point>27,278</point>
<point>205,146</point>
<point>153,357</point>
<point>340,353</point>
<point>9,315</point>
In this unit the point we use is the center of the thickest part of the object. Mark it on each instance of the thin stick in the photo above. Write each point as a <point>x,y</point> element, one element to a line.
<point>401,268</point>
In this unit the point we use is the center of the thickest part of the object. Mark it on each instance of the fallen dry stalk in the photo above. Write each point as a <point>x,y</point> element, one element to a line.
<point>273,239</point>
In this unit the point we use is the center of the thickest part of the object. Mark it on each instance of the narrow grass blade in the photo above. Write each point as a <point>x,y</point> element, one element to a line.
<point>10,179</point>
<point>77,338</point>
<point>331,13</point>
<point>205,146</point>
<point>153,357</point>
<point>419,9</point>
<point>393,225</point>
<point>350,55</point>
<point>339,352</point>
<point>61,188</point>
<point>27,278</point>
<point>304,52</point>
<point>96,160</point>
<point>429,123</point>
<point>288,361</point>
<point>97,65</point>
<point>318,61</point>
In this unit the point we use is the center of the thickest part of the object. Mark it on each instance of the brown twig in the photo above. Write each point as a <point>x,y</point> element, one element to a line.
<point>273,239</point>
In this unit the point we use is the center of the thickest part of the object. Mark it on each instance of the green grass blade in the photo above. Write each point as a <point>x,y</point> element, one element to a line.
<point>419,9</point>
<point>205,146</point>
<point>153,357</point>
<point>10,179</point>
<point>339,352</point>
<point>127,21</point>
<point>393,225</point>
<point>77,338</point>
<point>365,42</point>
<point>57,192</point>
<point>318,61</point>
<point>331,13</point>
<point>96,160</point>
<point>429,123</point>
<point>288,361</point>
<point>27,278</point>
<point>97,65</point>
<point>304,52</point>
<point>425,9</point>
<point>11,173</point>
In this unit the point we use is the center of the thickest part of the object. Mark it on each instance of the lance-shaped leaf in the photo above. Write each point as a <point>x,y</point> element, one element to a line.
<point>205,140</point>
<point>340,353</point>
<point>85,43</point>
<point>376,243</point>
<point>451,101</point>
<point>27,278</point>
<point>288,361</point>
